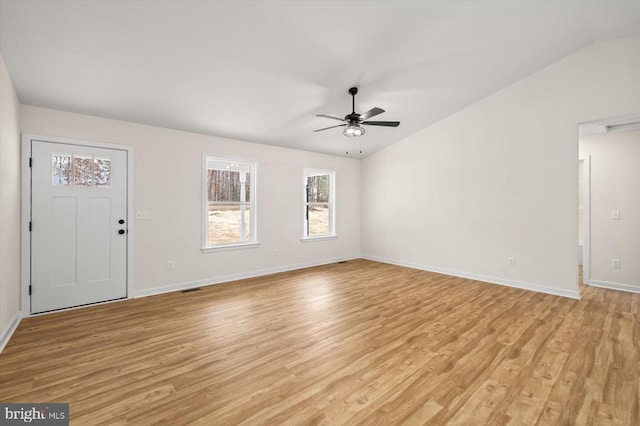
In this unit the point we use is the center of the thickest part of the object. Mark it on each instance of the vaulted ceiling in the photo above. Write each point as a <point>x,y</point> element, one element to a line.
<point>259,71</point>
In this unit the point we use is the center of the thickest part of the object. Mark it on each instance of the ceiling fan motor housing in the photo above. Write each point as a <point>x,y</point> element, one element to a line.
<point>352,118</point>
<point>352,122</point>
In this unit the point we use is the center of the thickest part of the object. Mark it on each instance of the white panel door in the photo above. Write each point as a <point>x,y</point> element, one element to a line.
<point>79,229</point>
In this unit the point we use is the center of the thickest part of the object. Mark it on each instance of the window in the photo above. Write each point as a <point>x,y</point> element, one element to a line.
<point>229,203</point>
<point>319,190</point>
<point>80,170</point>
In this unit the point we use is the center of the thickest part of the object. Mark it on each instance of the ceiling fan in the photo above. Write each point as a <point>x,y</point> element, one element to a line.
<point>354,121</point>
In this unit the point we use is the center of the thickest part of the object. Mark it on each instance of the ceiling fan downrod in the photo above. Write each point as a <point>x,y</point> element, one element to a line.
<point>353,92</point>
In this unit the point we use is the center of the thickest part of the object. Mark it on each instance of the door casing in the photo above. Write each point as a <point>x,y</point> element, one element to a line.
<point>25,258</point>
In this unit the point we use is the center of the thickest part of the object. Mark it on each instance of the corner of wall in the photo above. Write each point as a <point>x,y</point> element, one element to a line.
<point>9,207</point>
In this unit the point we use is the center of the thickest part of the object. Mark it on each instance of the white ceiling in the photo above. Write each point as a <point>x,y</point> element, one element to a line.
<point>260,71</point>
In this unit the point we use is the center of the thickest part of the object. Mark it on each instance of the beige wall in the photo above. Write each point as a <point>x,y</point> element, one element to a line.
<point>168,183</point>
<point>499,178</point>
<point>615,185</point>
<point>9,205</point>
<point>495,180</point>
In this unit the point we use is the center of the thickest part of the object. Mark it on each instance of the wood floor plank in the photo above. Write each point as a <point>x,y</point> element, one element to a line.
<point>359,342</point>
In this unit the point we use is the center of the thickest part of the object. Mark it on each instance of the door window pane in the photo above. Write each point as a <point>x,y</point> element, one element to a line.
<point>82,170</point>
<point>61,169</point>
<point>102,171</point>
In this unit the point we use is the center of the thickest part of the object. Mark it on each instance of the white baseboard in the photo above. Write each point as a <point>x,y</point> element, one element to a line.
<point>614,286</point>
<point>493,280</point>
<point>235,277</point>
<point>6,335</point>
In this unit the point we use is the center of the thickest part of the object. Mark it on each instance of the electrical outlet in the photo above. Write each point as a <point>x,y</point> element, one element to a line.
<point>511,262</point>
<point>615,263</point>
<point>170,265</point>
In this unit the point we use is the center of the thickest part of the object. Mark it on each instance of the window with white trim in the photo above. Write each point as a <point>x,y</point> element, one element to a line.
<point>319,196</point>
<point>229,203</point>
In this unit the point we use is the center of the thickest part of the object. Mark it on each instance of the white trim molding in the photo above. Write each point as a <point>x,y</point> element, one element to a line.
<point>492,280</point>
<point>6,334</point>
<point>238,246</point>
<point>312,239</point>
<point>614,286</point>
<point>235,277</point>
<point>586,218</point>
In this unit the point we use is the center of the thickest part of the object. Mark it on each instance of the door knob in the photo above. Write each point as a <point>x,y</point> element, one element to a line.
<point>121,231</point>
<point>121,221</point>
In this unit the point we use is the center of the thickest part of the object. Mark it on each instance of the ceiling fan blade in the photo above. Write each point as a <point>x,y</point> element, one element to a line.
<point>327,128</point>
<point>371,113</point>
<point>382,123</point>
<point>330,116</point>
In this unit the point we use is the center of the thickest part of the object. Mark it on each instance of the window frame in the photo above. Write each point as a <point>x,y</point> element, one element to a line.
<point>253,229</point>
<point>309,172</point>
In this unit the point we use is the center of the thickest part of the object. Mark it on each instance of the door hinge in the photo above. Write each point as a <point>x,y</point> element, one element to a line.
<point>30,226</point>
<point>29,289</point>
<point>30,161</point>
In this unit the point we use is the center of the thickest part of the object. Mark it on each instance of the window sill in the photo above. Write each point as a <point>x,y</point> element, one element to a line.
<point>228,247</point>
<point>311,239</point>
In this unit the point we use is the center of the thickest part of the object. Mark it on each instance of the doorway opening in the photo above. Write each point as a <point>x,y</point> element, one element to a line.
<point>609,153</point>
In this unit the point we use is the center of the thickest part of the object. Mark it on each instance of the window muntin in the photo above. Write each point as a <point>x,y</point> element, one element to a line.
<point>229,203</point>
<point>319,189</point>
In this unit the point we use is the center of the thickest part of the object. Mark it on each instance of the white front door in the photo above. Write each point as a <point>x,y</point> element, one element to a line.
<point>78,225</point>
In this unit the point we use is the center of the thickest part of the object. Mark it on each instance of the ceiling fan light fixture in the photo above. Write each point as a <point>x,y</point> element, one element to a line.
<point>353,130</point>
<point>354,120</point>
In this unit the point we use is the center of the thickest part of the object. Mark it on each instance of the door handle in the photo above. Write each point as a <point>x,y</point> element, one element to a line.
<point>121,231</point>
<point>121,221</point>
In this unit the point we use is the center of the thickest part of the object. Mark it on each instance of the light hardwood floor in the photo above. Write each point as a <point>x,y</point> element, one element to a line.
<point>353,343</point>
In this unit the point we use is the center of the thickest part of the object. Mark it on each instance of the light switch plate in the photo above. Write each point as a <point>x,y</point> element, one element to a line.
<point>143,215</point>
<point>615,214</point>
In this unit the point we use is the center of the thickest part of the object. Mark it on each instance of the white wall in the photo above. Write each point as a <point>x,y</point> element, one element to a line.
<point>9,206</point>
<point>499,178</point>
<point>168,182</point>
<point>615,185</point>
